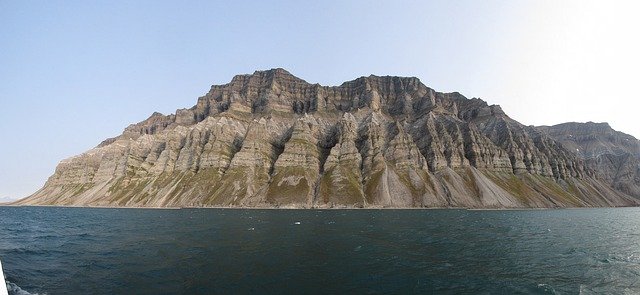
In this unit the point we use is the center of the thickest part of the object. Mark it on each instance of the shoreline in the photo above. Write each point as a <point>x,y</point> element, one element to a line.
<point>317,208</point>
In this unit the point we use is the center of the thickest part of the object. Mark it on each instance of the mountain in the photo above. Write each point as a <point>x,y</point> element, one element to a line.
<point>6,200</point>
<point>271,139</point>
<point>615,156</point>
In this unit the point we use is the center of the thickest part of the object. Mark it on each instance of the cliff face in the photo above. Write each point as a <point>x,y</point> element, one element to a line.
<point>271,139</point>
<point>614,156</point>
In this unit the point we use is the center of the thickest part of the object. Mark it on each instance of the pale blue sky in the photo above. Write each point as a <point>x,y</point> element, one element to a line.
<point>73,73</point>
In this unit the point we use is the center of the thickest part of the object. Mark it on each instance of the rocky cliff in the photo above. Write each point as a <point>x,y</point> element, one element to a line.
<point>270,139</point>
<point>614,156</point>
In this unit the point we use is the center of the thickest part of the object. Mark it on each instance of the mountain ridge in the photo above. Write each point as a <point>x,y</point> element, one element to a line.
<point>613,154</point>
<point>270,139</point>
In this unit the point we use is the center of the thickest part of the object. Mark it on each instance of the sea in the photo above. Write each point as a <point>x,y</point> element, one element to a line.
<point>52,250</point>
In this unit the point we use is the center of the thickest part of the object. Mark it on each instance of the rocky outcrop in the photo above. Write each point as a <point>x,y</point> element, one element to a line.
<point>270,139</point>
<point>613,155</point>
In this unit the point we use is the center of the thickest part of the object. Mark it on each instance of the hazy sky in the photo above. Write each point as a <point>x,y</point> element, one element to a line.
<point>73,73</point>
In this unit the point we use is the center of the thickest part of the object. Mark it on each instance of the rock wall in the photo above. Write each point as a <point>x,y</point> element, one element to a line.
<point>273,140</point>
<point>614,156</point>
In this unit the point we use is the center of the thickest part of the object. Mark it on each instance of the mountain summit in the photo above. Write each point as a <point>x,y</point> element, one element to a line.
<point>270,139</point>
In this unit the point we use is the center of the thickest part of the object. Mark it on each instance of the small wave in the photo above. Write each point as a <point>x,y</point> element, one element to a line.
<point>585,291</point>
<point>34,251</point>
<point>546,288</point>
<point>16,290</point>
<point>26,251</point>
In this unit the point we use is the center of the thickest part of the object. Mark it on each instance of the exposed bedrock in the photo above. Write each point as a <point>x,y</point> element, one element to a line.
<point>270,139</point>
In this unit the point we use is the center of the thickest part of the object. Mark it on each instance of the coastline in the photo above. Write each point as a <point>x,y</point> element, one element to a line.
<point>315,208</point>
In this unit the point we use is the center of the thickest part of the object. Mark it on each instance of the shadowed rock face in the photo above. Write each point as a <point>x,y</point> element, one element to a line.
<point>614,156</point>
<point>271,139</point>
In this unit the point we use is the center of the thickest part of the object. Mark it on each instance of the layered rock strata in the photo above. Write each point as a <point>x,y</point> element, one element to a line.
<point>270,139</point>
<point>615,156</point>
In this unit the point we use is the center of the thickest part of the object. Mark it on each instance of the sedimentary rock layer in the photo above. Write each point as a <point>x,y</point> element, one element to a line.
<point>270,139</point>
<point>614,156</point>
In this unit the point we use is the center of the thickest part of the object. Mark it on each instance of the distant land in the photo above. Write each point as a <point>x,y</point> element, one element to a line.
<point>270,139</point>
<point>7,199</point>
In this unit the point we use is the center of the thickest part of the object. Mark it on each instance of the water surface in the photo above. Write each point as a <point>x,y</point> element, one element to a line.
<point>208,251</point>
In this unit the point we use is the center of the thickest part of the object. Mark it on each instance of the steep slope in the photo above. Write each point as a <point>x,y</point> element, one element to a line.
<point>270,139</point>
<point>614,155</point>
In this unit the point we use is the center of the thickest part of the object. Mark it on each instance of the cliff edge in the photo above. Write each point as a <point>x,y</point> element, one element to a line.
<point>270,139</point>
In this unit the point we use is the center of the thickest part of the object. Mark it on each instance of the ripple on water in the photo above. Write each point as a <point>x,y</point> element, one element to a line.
<point>364,251</point>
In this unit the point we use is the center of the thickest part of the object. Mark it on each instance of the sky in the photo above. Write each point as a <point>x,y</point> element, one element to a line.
<point>73,73</point>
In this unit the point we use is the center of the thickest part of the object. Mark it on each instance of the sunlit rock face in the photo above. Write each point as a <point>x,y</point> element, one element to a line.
<point>270,139</point>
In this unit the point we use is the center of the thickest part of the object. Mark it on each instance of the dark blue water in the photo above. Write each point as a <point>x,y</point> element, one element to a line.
<point>208,251</point>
